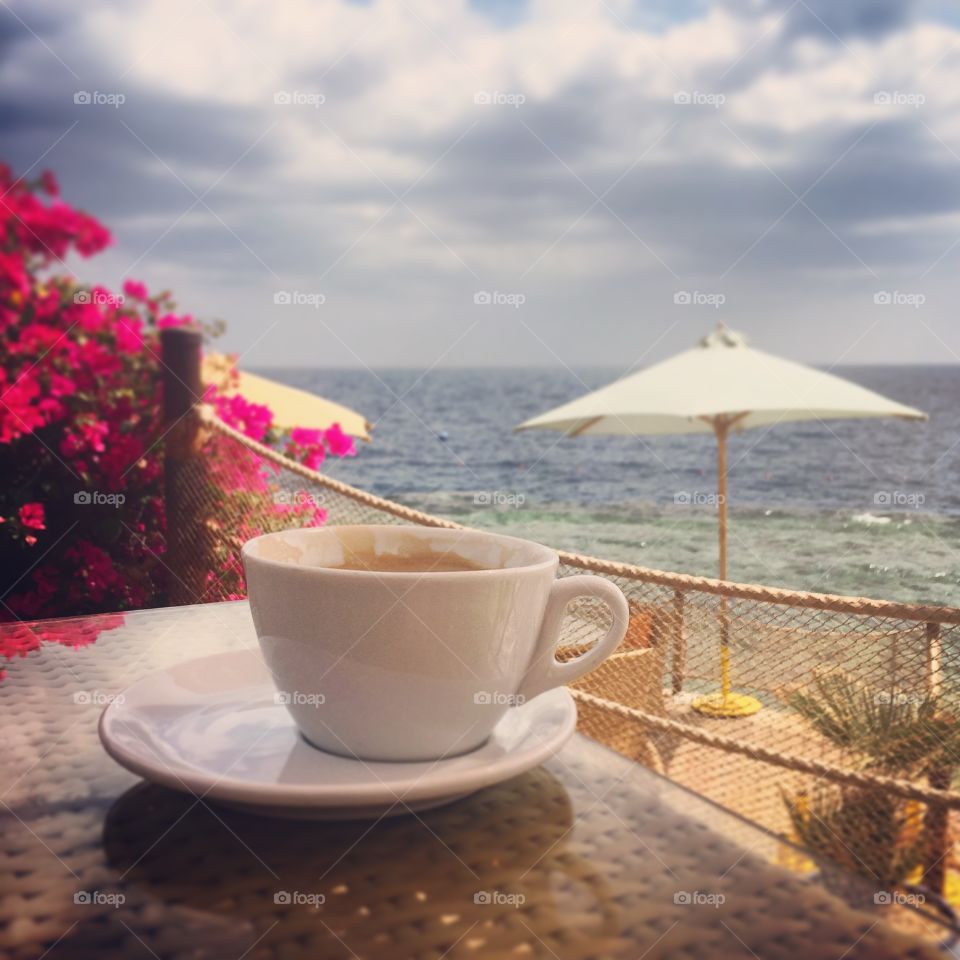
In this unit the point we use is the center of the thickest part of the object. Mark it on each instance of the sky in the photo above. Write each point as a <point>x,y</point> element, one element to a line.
<point>549,183</point>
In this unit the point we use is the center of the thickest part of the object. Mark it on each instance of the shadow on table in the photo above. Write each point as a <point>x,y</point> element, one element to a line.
<point>489,873</point>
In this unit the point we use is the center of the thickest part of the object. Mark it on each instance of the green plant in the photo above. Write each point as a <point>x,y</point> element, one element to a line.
<point>887,731</point>
<point>868,829</point>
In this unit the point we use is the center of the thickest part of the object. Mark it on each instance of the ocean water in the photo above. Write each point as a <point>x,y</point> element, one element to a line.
<point>868,508</point>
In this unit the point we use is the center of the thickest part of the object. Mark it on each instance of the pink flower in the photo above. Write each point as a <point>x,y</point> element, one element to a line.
<point>89,436</point>
<point>306,445</point>
<point>48,184</point>
<point>61,386</point>
<point>13,274</point>
<point>135,289</point>
<point>129,334</point>
<point>313,458</point>
<point>90,315</point>
<point>172,320</point>
<point>339,443</point>
<point>253,419</point>
<point>97,575</point>
<point>305,437</point>
<point>32,516</point>
<point>19,416</point>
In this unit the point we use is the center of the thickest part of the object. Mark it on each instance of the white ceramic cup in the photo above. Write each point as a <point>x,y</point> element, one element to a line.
<point>412,665</point>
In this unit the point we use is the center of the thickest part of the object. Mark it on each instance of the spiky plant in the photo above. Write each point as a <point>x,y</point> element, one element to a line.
<point>868,830</point>
<point>888,732</point>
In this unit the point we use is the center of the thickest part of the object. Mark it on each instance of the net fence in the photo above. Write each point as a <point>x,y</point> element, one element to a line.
<point>849,745</point>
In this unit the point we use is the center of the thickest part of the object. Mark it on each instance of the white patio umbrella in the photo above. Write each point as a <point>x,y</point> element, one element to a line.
<point>720,385</point>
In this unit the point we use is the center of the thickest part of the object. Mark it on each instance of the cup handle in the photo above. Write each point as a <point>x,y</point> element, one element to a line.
<point>545,671</point>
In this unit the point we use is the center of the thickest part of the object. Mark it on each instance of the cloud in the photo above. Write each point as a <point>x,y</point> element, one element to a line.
<point>399,156</point>
<point>854,18</point>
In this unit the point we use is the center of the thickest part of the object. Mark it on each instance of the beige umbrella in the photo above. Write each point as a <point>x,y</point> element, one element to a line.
<point>720,385</point>
<point>291,407</point>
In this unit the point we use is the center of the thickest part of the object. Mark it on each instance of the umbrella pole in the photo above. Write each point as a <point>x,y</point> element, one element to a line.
<point>726,703</point>
<point>721,428</point>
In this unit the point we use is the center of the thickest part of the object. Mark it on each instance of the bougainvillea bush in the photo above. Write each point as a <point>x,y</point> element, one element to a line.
<point>82,526</point>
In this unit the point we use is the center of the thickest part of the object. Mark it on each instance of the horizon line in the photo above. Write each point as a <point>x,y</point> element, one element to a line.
<point>594,366</point>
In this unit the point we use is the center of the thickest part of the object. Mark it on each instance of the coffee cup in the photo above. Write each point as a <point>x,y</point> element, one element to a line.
<point>409,643</point>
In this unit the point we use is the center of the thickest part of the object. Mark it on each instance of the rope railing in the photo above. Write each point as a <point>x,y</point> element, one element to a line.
<point>901,788</point>
<point>860,606</point>
<point>851,753</point>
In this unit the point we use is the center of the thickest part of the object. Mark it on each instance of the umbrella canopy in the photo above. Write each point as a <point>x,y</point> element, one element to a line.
<point>291,407</point>
<point>722,377</point>
<point>720,385</point>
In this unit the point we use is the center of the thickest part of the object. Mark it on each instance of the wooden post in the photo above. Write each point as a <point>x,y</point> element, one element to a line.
<point>182,390</point>
<point>936,831</point>
<point>679,642</point>
<point>934,661</point>
<point>936,821</point>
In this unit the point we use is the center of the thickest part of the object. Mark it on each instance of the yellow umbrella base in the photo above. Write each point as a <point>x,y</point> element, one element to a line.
<point>729,705</point>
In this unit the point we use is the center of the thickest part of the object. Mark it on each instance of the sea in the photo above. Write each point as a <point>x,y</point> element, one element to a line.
<point>865,508</point>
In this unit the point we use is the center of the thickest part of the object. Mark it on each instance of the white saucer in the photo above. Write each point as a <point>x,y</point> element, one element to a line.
<point>211,727</point>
